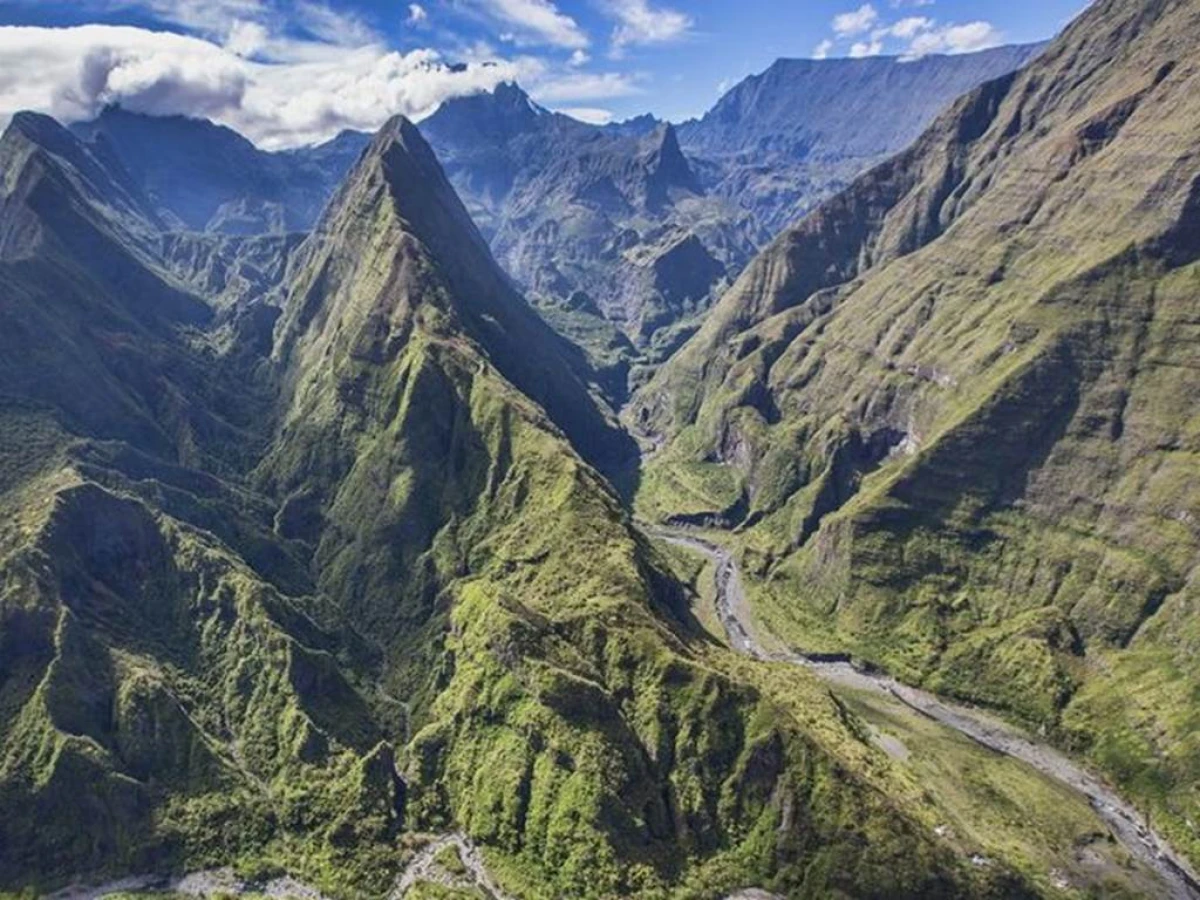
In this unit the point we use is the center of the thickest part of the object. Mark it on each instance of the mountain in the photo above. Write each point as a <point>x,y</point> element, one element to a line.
<point>205,177</point>
<point>951,411</point>
<point>293,575</point>
<point>593,222</point>
<point>780,141</point>
<point>622,235</point>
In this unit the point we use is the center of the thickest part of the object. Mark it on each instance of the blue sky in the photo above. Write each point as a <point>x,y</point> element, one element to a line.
<point>295,71</point>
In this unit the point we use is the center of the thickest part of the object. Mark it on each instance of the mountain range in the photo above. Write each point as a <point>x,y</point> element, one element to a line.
<point>779,142</point>
<point>322,548</point>
<point>950,412</point>
<point>622,235</point>
<point>289,578</point>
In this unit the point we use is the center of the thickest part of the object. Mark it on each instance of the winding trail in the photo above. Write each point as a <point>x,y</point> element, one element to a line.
<point>209,883</point>
<point>1143,843</point>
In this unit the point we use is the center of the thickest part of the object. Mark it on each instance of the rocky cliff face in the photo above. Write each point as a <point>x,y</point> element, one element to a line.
<point>951,409</point>
<point>204,177</point>
<point>590,220</point>
<point>580,216</point>
<point>288,574</point>
<point>783,140</point>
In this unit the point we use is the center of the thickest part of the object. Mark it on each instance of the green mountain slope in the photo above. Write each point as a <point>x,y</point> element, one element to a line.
<point>287,582</point>
<point>952,410</point>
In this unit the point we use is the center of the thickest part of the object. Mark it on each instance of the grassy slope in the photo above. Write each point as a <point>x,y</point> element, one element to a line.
<point>570,731</point>
<point>393,598</point>
<point>982,803</point>
<point>965,441</point>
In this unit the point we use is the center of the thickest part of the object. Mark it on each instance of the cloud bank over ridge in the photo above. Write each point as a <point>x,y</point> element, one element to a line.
<point>308,95</point>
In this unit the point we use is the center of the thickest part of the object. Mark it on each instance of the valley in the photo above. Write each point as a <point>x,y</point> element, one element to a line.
<point>797,501</point>
<point>875,696</point>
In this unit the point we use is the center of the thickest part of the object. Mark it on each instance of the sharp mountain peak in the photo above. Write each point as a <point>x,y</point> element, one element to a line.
<point>396,250</point>
<point>400,168</point>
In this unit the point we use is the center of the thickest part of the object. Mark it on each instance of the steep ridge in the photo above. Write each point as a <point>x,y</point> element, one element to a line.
<point>397,217</point>
<point>554,717</point>
<point>619,238</point>
<point>780,141</point>
<point>126,730</point>
<point>200,176</point>
<point>951,412</point>
<point>39,158</point>
<point>623,235</point>
<point>284,603</point>
<point>61,205</point>
<point>828,108</point>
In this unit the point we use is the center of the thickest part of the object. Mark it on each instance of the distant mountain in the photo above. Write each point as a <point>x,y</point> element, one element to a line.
<point>628,269</point>
<point>638,126</point>
<point>780,141</point>
<point>205,177</point>
<point>952,412</point>
<point>331,160</point>
<point>588,219</point>
<point>621,235</point>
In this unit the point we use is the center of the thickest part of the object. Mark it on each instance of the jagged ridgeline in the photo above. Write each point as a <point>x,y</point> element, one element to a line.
<point>607,229</point>
<point>305,549</point>
<point>954,410</point>
<point>622,235</point>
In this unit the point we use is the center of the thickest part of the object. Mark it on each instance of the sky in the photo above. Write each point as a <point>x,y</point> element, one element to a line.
<point>292,72</point>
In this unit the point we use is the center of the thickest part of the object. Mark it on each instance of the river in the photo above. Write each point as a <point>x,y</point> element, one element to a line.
<point>1142,842</point>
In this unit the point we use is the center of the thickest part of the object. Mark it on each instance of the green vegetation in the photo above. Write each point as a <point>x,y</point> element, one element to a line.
<point>450,860</point>
<point>958,400</point>
<point>281,604</point>
<point>985,805</point>
<point>297,570</point>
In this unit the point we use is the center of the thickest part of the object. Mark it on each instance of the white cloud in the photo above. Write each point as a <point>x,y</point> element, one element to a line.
<point>583,86</point>
<point>856,22</point>
<point>590,114</point>
<point>247,39</point>
<point>331,26</point>
<point>640,23</point>
<point>859,49</point>
<point>579,58</point>
<point>265,29</point>
<point>211,17</point>
<point>220,19</point>
<point>417,14</point>
<point>72,73</point>
<point>910,27</point>
<point>538,21</point>
<point>914,36</point>
<point>964,38</point>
